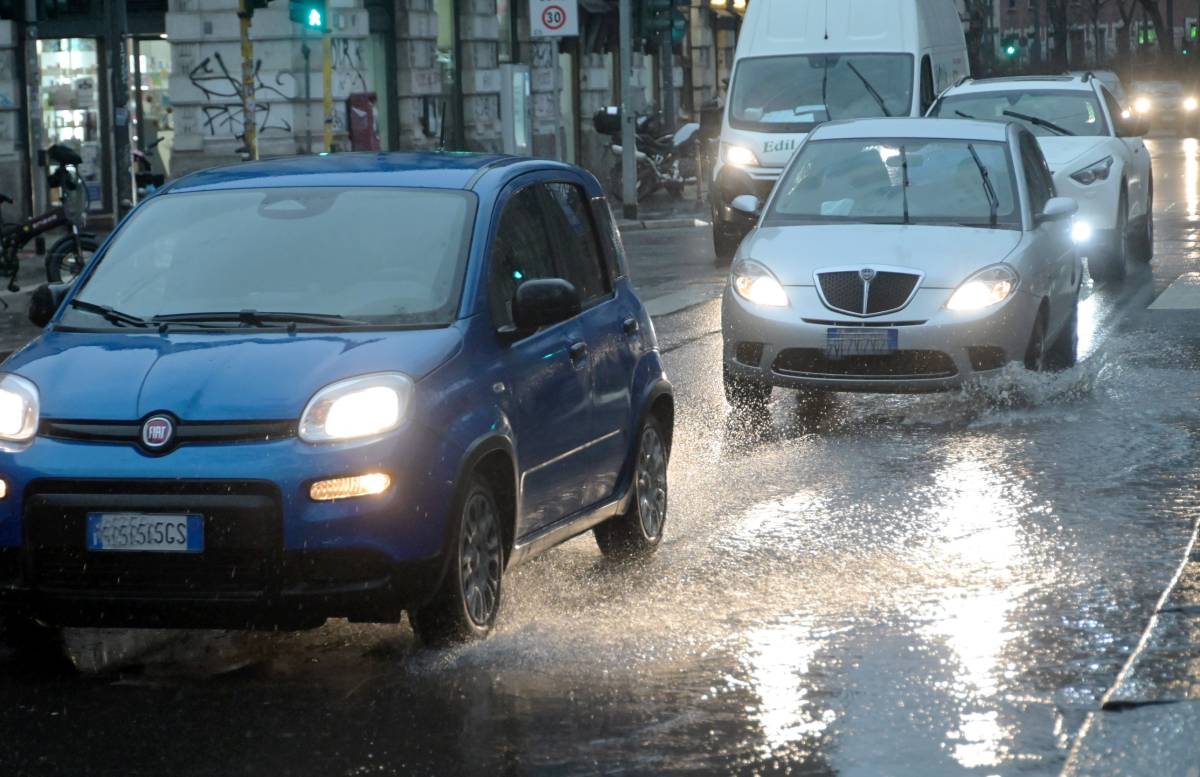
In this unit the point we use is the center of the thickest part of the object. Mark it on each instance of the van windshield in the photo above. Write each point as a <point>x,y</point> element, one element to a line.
<point>898,181</point>
<point>371,255</point>
<point>794,93</point>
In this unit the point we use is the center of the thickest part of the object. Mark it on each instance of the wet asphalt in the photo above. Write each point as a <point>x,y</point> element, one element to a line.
<point>874,585</point>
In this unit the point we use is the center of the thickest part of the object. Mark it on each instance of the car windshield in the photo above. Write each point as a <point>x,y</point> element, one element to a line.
<point>795,93</point>
<point>382,256</point>
<point>1044,113</point>
<point>863,181</point>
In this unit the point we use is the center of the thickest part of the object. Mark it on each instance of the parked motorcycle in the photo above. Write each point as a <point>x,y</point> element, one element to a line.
<point>667,162</point>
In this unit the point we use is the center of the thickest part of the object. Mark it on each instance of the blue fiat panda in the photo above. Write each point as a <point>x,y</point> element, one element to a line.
<point>350,386</point>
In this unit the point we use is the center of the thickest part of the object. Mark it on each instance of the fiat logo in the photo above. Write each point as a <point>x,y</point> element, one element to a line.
<point>867,274</point>
<point>157,432</point>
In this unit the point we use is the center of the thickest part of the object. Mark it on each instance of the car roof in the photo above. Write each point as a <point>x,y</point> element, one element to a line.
<point>429,170</point>
<point>946,129</point>
<point>1080,83</point>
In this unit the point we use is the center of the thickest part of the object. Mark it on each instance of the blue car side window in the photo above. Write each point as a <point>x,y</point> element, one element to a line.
<point>578,255</point>
<point>520,252</point>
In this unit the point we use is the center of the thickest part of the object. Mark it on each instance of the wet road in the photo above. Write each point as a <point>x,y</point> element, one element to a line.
<point>881,585</point>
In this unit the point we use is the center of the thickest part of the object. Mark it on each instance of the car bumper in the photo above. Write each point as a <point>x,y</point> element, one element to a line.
<point>938,350</point>
<point>272,556</point>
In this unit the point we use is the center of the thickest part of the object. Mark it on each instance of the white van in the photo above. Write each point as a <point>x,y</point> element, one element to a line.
<point>800,63</point>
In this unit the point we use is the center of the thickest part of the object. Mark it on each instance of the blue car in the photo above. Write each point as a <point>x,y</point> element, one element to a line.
<point>351,386</point>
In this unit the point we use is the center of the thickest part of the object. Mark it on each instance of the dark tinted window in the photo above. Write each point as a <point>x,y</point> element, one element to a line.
<point>521,252</point>
<point>577,252</point>
<point>1114,107</point>
<point>1037,175</point>
<point>610,237</point>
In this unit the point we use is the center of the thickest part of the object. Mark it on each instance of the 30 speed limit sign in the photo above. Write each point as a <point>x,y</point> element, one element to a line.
<point>553,18</point>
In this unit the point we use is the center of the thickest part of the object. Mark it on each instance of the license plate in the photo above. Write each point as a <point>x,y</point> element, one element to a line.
<point>842,343</point>
<point>145,533</point>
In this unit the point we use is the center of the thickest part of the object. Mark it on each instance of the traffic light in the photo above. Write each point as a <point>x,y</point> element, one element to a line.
<point>661,17</point>
<point>311,14</point>
<point>1011,48</point>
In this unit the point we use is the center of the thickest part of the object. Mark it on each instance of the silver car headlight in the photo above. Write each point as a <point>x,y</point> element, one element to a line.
<point>990,286</point>
<point>1097,171</point>
<point>755,283</point>
<point>19,409</point>
<point>365,406</point>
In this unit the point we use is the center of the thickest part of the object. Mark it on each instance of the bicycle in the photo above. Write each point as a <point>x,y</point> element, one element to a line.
<point>70,254</point>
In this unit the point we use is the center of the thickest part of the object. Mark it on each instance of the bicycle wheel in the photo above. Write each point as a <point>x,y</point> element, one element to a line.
<point>64,263</point>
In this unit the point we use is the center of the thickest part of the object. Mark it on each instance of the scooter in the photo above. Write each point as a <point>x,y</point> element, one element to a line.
<point>663,161</point>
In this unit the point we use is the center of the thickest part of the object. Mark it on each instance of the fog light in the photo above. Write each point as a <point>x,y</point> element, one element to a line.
<point>1081,231</point>
<point>348,488</point>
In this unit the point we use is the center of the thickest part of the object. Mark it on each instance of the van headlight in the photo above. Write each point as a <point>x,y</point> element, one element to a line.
<point>990,286</point>
<point>365,406</point>
<point>19,409</point>
<point>755,283</point>
<point>740,156</point>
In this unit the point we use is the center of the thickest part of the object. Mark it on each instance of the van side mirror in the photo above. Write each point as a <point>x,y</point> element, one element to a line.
<point>543,302</point>
<point>45,302</point>
<point>1059,208</point>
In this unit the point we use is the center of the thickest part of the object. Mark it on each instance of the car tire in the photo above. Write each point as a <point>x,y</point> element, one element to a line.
<point>1143,242</point>
<point>725,243</point>
<point>746,393</point>
<point>1064,351</point>
<point>1108,264</point>
<point>637,533</point>
<point>1036,352</point>
<point>64,263</point>
<point>467,603</point>
<point>30,641</point>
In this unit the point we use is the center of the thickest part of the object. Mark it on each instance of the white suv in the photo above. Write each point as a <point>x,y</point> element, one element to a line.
<point>1095,151</point>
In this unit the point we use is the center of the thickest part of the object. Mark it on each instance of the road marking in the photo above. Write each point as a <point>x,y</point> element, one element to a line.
<point>679,300</point>
<point>1183,294</point>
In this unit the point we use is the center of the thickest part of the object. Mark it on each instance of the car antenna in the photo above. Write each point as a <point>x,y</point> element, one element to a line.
<point>826,19</point>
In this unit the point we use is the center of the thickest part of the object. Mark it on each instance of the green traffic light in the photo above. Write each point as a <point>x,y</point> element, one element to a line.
<point>314,18</point>
<point>1011,50</point>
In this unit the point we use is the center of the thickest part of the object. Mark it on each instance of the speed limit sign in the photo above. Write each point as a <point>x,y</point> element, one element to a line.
<point>553,18</point>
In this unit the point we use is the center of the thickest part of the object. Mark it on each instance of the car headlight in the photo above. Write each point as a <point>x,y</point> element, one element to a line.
<point>755,283</point>
<point>1142,105</point>
<point>19,409</point>
<point>365,406</point>
<point>1081,231</point>
<point>990,286</point>
<point>740,156</point>
<point>1190,104</point>
<point>1097,171</point>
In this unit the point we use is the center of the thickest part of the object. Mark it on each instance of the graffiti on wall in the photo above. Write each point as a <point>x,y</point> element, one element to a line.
<point>349,66</point>
<point>224,116</point>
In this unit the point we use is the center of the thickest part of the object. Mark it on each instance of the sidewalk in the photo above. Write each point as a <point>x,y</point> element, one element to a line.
<point>15,329</point>
<point>661,211</point>
<point>1149,721</point>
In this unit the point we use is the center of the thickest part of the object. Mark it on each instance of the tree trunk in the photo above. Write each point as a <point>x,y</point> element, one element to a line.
<point>1062,33</point>
<point>1166,38</point>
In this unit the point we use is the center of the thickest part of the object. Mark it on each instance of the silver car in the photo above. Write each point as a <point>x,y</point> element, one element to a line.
<point>902,255</point>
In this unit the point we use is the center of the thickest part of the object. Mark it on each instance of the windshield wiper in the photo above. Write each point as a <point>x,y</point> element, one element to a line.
<point>870,89</point>
<point>1038,122</point>
<point>964,115</point>
<point>989,190</point>
<point>904,182</point>
<point>109,314</point>
<point>260,318</point>
<point>825,89</point>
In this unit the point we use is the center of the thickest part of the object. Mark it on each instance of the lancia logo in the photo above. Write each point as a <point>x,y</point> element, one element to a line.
<point>867,274</point>
<point>157,432</point>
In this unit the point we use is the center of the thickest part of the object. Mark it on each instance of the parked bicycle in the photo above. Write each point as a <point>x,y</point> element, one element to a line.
<point>663,161</point>
<point>70,254</point>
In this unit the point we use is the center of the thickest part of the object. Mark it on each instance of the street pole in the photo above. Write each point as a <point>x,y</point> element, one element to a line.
<point>34,140</point>
<point>1037,33</point>
<point>119,69</point>
<point>667,55</point>
<point>1170,24</point>
<point>628,117</point>
<point>327,83</point>
<point>306,51</point>
<point>249,122</point>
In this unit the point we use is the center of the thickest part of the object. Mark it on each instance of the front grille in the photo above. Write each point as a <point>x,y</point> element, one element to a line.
<point>812,362</point>
<point>186,433</point>
<point>845,291</point>
<point>242,538</point>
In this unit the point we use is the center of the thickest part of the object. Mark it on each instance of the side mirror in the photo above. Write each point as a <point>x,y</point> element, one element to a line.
<point>746,203</point>
<point>543,302</point>
<point>1058,209</point>
<point>1135,126</point>
<point>45,302</point>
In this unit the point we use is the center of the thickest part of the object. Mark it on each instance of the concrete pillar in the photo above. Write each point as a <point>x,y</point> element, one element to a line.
<point>13,159</point>
<point>478,29</point>
<point>419,78</point>
<point>546,83</point>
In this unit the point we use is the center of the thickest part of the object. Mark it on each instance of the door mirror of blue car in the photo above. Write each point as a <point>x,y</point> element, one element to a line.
<point>543,302</point>
<point>45,301</point>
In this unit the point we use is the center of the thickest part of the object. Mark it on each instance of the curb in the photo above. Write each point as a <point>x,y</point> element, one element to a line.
<point>651,224</point>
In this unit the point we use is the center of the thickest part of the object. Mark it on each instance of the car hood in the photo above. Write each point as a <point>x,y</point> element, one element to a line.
<point>213,377</point>
<point>1068,155</point>
<point>946,255</point>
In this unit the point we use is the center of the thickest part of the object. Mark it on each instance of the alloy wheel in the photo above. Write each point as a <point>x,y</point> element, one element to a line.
<point>652,483</point>
<point>480,559</point>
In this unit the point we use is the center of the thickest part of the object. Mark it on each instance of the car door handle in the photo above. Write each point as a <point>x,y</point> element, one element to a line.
<point>631,326</point>
<point>579,352</point>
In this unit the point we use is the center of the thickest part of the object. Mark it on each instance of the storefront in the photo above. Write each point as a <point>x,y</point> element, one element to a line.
<point>71,76</point>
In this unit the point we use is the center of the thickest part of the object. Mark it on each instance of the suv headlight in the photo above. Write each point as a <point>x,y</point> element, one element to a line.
<point>990,286</point>
<point>1097,171</point>
<point>19,409</point>
<point>740,156</point>
<point>755,283</point>
<point>365,406</point>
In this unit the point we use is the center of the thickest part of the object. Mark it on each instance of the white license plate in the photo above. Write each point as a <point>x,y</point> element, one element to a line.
<point>145,533</point>
<point>841,343</point>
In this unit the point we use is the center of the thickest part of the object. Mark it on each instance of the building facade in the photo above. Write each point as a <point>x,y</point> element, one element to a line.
<point>406,74</point>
